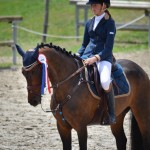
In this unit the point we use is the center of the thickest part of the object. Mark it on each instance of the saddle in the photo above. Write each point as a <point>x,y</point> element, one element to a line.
<point>120,85</point>
<point>92,75</point>
<point>119,80</point>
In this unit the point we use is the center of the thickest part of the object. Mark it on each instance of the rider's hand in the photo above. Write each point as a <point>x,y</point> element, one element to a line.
<point>90,61</point>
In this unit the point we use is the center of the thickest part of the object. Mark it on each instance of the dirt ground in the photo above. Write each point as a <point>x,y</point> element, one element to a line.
<point>23,127</point>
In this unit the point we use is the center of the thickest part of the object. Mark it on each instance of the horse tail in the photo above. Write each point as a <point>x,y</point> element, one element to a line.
<point>136,137</point>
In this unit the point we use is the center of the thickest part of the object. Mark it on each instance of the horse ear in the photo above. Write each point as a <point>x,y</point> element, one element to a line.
<point>20,51</point>
<point>36,52</point>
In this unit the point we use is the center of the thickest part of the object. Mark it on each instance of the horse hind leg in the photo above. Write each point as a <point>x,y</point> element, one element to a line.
<point>118,132</point>
<point>140,135</point>
<point>140,124</point>
<point>136,138</point>
<point>65,134</point>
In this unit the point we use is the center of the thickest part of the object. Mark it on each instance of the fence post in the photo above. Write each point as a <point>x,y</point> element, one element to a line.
<point>85,14</point>
<point>14,37</point>
<point>147,14</point>
<point>77,22</point>
<point>13,20</point>
<point>149,32</point>
<point>45,20</point>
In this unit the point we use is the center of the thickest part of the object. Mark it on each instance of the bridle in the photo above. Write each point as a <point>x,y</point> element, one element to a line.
<point>31,88</point>
<point>68,97</point>
<point>30,67</point>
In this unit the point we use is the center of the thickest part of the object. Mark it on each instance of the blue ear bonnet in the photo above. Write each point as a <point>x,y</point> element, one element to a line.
<point>29,58</point>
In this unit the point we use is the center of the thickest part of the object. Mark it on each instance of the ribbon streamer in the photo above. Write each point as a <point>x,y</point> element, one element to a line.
<point>45,80</point>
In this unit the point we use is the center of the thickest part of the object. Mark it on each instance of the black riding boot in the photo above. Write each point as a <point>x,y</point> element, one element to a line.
<point>111,108</point>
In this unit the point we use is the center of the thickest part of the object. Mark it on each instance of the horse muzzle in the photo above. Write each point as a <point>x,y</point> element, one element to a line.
<point>34,98</point>
<point>34,101</point>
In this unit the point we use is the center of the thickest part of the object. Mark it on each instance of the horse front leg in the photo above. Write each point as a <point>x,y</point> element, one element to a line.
<point>82,137</point>
<point>65,134</point>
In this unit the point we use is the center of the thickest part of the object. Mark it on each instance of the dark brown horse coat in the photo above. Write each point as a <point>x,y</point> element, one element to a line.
<point>78,106</point>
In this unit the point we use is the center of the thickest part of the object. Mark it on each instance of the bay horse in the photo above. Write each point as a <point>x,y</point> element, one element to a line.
<point>75,107</point>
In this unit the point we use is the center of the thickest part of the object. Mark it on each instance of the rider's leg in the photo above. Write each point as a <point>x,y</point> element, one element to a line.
<point>104,68</point>
<point>111,106</point>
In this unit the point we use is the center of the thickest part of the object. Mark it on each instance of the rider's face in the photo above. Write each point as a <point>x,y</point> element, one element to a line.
<point>98,9</point>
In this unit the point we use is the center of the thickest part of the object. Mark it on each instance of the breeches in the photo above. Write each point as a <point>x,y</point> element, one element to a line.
<point>104,68</point>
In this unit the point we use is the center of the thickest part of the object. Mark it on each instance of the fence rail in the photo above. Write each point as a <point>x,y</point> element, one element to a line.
<point>115,4</point>
<point>13,20</point>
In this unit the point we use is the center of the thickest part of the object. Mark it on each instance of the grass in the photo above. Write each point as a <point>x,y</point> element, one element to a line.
<point>5,65</point>
<point>62,22</point>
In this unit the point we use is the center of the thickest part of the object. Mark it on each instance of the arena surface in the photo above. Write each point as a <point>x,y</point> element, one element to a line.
<point>23,127</point>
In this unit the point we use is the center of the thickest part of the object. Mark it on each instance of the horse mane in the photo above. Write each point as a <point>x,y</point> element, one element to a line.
<point>59,49</point>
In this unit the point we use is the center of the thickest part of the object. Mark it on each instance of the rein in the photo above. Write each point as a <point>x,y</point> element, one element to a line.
<point>68,97</point>
<point>72,75</point>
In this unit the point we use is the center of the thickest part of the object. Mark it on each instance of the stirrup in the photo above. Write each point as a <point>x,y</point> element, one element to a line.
<point>109,121</point>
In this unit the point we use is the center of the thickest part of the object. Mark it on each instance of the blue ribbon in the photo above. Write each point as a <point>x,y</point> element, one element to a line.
<point>43,79</point>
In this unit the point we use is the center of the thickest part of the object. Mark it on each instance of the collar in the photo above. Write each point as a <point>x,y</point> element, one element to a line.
<point>104,18</point>
<point>98,18</point>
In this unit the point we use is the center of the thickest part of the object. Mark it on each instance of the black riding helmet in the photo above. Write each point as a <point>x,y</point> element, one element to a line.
<point>107,2</point>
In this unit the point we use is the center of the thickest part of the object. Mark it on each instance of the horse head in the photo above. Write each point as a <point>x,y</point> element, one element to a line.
<point>32,71</point>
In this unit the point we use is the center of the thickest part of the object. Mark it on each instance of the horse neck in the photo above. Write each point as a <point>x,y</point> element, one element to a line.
<point>60,66</point>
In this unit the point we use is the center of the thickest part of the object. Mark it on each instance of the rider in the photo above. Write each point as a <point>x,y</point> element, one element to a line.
<point>97,47</point>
